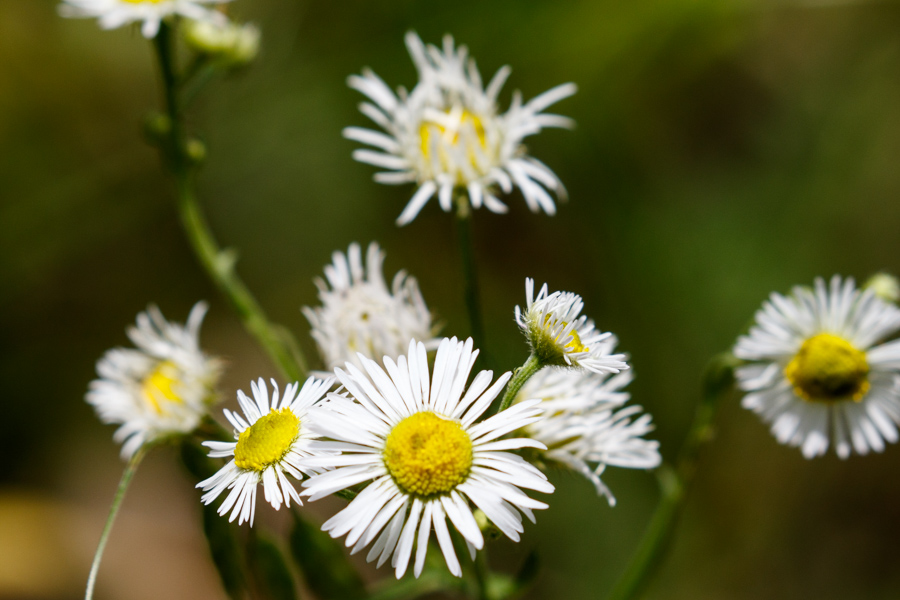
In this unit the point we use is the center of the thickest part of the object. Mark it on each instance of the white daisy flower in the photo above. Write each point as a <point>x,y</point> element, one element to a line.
<point>560,335</point>
<point>585,426</point>
<point>448,134</point>
<point>818,374</point>
<point>162,388</point>
<point>361,315</point>
<point>271,443</point>
<point>414,438</point>
<point>115,13</point>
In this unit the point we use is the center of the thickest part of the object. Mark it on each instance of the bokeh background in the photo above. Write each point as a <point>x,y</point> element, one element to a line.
<point>724,149</point>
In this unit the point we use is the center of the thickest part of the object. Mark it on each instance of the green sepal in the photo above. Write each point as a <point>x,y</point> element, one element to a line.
<point>325,567</point>
<point>271,572</point>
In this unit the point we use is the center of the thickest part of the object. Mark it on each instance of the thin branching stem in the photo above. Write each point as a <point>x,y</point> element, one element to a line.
<point>470,272</point>
<point>522,374</point>
<point>127,475</point>
<point>218,263</point>
<point>674,483</point>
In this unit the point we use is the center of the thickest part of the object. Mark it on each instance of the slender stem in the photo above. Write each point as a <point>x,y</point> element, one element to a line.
<point>522,374</point>
<point>218,263</point>
<point>470,273</point>
<point>674,484</point>
<point>127,475</point>
<point>482,572</point>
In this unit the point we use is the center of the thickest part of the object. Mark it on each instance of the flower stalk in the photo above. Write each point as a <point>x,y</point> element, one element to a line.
<point>521,375</point>
<point>181,157</point>
<point>674,483</point>
<point>127,476</point>
<point>470,271</point>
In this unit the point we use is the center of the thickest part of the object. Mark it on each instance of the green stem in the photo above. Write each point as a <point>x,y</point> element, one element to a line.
<point>218,263</point>
<point>482,572</point>
<point>674,484</point>
<point>110,519</point>
<point>522,374</point>
<point>470,273</point>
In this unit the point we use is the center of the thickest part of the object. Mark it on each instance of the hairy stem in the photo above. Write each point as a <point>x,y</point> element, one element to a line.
<point>674,484</point>
<point>218,263</point>
<point>521,375</point>
<point>127,475</point>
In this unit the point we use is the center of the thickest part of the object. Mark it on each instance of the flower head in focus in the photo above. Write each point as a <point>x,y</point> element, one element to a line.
<point>560,335</point>
<point>272,443</point>
<point>414,438</point>
<point>448,136</point>
<point>817,373</point>
<point>360,314</point>
<point>116,13</point>
<point>585,424</point>
<point>162,388</point>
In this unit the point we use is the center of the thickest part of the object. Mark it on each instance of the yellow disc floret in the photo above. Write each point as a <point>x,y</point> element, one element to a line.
<point>427,454</point>
<point>267,441</point>
<point>575,345</point>
<point>828,368</point>
<point>157,386</point>
<point>451,137</point>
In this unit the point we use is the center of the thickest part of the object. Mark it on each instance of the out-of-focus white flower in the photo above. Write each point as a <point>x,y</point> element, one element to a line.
<point>115,13</point>
<point>361,315</point>
<point>415,439</point>
<point>817,372</point>
<point>560,335</point>
<point>272,443</point>
<point>448,136</point>
<point>586,426</point>
<point>162,388</point>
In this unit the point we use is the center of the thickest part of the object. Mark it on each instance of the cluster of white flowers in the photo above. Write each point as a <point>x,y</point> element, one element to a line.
<point>150,13</point>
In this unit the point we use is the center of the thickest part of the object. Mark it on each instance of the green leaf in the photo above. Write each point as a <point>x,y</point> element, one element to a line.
<point>221,536</point>
<point>270,569</point>
<point>325,567</point>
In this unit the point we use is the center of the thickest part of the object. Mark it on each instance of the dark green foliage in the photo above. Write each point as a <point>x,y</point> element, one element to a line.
<point>325,567</point>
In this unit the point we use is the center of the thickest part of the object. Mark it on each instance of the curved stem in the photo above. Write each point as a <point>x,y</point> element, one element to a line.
<point>218,263</point>
<point>522,374</point>
<point>110,519</point>
<point>674,484</point>
<point>470,272</point>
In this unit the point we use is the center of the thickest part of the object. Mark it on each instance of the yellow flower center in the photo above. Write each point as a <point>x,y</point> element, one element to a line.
<point>267,441</point>
<point>828,368</point>
<point>575,345</point>
<point>428,455</point>
<point>157,386</point>
<point>451,137</point>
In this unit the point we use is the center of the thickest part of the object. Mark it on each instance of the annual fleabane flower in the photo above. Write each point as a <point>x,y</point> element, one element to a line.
<point>360,314</point>
<point>817,371</point>
<point>448,136</point>
<point>162,388</point>
<point>414,440</point>
<point>586,425</point>
<point>272,441</point>
<point>559,335</point>
<point>115,13</point>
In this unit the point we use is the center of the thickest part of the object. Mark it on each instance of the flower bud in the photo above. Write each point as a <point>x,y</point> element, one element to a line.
<point>885,286</point>
<point>227,42</point>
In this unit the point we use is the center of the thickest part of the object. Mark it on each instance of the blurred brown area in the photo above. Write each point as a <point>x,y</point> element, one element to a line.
<point>724,149</point>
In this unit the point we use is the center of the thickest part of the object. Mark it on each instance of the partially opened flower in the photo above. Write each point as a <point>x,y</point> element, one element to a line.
<point>448,136</point>
<point>360,314</point>
<point>817,371</point>
<point>560,335</point>
<point>414,440</point>
<point>162,388</point>
<point>273,439</point>
<point>115,13</point>
<point>586,426</point>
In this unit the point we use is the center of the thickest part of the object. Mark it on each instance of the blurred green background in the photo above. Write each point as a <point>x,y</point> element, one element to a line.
<point>723,150</point>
